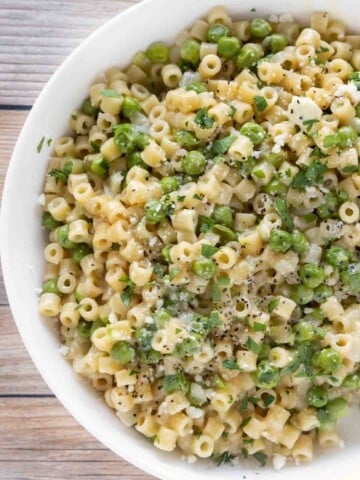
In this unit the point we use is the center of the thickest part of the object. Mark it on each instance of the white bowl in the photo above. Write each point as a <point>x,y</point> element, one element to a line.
<point>22,237</point>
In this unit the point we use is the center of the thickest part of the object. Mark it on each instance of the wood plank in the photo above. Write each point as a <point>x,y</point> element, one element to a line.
<point>11,123</point>
<point>10,126</point>
<point>24,379</point>
<point>35,40</point>
<point>40,441</point>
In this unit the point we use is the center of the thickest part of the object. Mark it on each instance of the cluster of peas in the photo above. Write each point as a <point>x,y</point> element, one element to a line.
<point>228,47</point>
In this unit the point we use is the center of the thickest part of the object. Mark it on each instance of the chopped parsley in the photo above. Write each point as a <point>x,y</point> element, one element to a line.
<point>259,327</point>
<point>282,209</point>
<point>253,346</point>
<point>261,457</point>
<point>208,251</point>
<point>177,382</point>
<point>222,458</point>
<point>159,270</point>
<point>127,294</point>
<point>311,175</point>
<point>203,118</point>
<point>273,304</point>
<point>222,145</point>
<point>308,124</point>
<point>230,364</point>
<point>63,174</point>
<point>260,103</point>
<point>40,145</point>
<point>173,272</point>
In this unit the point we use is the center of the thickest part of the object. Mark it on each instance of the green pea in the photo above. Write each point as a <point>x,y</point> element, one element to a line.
<point>130,107</point>
<point>223,215</point>
<point>312,275</point>
<point>337,407</point>
<point>80,251</point>
<point>276,159</point>
<point>87,107</point>
<point>141,140</point>
<point>351,277</point>
<point>275,187</point>
<point>134,159</point>
<point>190,51</point>
<point>247,57</point>
<point>186,139</point>
<point>327,421</point>
<point>169,184</point>
<point>161,317</point>
<point>317,396</point>
<point>302,294</point>
<point>346,137</point>
<point>124,136</point>
<point>83,328</point>
<point>305,331</point>
<point>280,241</point>
<point>328,360</point>
<point>123,352</point>
<point>143,337</point>
<point>141,60</point>
<point>260,28</point>
<point>228,47</point>
<point>226,234</point>
<point>62,237</point>
<point>158,52</point>
<point>338,257</point>
<point>266,376</point>
<point>193,163</point>
<point>300,243</point>
<point>154,211</point>
<point>322,292</point>
<point>275,43</point>
<point>204,268</point>
<point>352,381</point>
<point>50,286</point>
<point>253,131</point>
<point>49,222</point>
<point>150,357</point>
<point>197,87</point>
<point>165,252</point>
<point>189,345</point>
<point>99,166</point>
<point>217,31</point>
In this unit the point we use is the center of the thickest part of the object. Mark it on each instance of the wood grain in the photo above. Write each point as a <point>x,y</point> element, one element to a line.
<point>35,37</point>
<point>24,379</point>
<point>11,122</point>
<point>51,445</point>
<point>39,440</point>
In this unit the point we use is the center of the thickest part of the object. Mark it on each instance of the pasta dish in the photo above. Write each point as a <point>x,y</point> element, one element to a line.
<point>203,238</point>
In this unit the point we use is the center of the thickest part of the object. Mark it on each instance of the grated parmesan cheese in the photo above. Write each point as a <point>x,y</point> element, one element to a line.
<point>279,462</point>
<point>349,91</point>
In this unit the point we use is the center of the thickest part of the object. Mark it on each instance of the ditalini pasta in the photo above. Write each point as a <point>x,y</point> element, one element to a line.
<point>203,250</point>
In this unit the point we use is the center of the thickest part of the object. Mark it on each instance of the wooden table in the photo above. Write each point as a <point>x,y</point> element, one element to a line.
<point>38,438</point>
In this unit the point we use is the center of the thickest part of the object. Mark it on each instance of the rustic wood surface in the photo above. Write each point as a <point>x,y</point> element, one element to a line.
<point>39,440</point>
